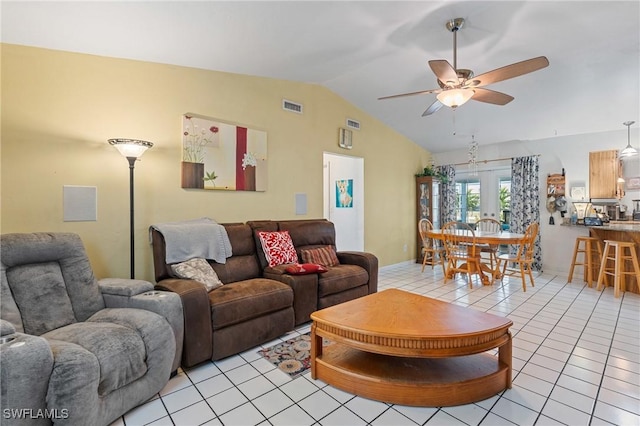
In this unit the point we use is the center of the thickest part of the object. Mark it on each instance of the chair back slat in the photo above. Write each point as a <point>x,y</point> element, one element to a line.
<point>424,226</point>
<point>463,252</point>
<point>488,225</point>
<point>460,240</point>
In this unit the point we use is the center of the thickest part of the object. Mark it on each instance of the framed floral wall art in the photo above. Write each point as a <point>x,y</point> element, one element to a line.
<point>221,155</point>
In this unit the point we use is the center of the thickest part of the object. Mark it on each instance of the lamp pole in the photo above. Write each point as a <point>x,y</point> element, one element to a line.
<point>131,149</point>
<point>132,162</point>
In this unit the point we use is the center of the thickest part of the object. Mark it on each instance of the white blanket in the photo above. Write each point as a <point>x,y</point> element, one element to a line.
<point>202,238</point>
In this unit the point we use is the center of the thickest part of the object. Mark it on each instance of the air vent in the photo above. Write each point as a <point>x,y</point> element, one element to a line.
<point>291,106</point>
<point>353,124</point>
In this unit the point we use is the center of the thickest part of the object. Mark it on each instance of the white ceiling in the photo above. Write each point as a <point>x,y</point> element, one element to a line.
<point>363,50</point>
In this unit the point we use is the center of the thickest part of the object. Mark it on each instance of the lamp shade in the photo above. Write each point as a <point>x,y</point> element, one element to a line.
<point>131,148</point>
<point>628,151</point>
<point>455,97</point>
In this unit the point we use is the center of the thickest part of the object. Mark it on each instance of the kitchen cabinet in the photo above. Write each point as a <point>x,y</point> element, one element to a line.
<point>605,167</point>
<point>427,206</point>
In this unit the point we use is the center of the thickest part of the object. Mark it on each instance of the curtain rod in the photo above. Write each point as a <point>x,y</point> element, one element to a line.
<point>490,161</point>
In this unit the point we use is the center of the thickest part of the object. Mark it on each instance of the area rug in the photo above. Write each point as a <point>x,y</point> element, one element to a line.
<point>291,356</point>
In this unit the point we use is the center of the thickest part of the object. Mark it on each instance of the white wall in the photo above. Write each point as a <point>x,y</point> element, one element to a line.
<point>570,153</point>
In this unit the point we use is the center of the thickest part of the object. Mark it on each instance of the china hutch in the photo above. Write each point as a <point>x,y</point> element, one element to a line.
<point>427,206</point>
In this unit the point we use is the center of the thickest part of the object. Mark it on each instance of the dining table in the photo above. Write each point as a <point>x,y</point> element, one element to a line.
<point>482,237</point>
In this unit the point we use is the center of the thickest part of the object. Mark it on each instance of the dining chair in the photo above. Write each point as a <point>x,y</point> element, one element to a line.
<point>523,258</point>
<point>463,255</point>
<point>433,251</point>
<point>489,225</point>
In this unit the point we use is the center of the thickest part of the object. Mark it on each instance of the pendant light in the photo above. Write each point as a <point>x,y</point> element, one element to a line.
<point>628,151</point>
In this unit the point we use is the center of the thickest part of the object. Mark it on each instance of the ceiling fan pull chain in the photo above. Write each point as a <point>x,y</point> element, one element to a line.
<point>453,119</point>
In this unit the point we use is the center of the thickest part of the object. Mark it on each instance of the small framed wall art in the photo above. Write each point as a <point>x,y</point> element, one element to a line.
<point>633,183</point>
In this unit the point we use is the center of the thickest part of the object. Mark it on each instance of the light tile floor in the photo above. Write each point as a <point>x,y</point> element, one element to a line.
<point>576,360</point>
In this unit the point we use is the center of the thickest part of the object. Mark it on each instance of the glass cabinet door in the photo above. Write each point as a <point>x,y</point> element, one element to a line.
<point>424,201</point>
<point>427,205</point>
<point>435,197</point>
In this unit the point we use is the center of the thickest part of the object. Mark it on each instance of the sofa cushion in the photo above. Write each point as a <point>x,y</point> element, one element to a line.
<point>119,350</point>
<point>198,270</point>
<point>244,300</point>
<point>325,256</point>
<point>340,278</point>
<point>305,268</point>
<point>41,294</point>
<point>278,247</point>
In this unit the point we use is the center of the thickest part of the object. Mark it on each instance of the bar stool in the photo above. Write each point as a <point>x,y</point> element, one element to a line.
<point>586,246</point>
<point>619,257</point>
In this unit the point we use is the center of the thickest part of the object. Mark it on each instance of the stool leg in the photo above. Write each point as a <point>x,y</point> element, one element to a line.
<point>636,266</point>
<point>600,250</point>
<point>587,263</point>
<point>573,262</point>
<point>603,266</point>
<point>617,278</point>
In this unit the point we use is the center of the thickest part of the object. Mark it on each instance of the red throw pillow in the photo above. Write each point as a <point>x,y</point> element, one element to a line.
<point>325,256</point>
<point>278,247</point>
<point>305,268</point>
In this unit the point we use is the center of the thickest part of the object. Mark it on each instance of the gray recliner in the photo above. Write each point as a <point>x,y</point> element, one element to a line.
<point>73,349</point>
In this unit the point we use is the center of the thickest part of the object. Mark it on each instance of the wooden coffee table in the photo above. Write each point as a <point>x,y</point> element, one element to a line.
<point>403,348</point>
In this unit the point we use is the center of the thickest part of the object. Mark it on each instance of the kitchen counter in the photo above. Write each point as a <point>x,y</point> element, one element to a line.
<point>620,226</point>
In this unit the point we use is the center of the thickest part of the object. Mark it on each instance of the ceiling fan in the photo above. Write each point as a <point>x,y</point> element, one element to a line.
<point>457,86</point>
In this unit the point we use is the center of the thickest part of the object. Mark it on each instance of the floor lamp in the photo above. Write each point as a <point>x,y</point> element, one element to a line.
<point>131,149</point>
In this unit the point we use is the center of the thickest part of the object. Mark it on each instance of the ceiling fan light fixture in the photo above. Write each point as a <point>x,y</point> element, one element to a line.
<point>453,98</point>
<point>628,151</point>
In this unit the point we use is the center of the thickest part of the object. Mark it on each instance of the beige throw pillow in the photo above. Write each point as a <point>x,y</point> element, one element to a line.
<point>198,269</point>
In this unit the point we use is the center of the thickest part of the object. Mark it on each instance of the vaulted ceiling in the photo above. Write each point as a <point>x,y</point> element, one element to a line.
<point>363,50</point>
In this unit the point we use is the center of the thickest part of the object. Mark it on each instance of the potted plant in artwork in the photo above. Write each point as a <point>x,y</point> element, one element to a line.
<point>197,134</point>
<point>211,177</point>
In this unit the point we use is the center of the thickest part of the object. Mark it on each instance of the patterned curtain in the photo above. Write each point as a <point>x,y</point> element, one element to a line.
<point>449,198</point>
<point>525,200</point>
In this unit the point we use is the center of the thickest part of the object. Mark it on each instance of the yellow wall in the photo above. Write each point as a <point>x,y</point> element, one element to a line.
<point>59,109</point>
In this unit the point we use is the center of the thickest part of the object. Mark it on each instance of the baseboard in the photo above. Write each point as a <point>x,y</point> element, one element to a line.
<point>395,265</point>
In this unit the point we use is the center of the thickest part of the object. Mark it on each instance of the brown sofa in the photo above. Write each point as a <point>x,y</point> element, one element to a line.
<point>258,303</point>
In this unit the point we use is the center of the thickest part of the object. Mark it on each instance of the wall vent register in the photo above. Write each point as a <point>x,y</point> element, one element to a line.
<point>291,106</point>
<point>353,124</point>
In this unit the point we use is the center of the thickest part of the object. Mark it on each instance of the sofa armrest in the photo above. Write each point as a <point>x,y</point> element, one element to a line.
<point>123,286</point>
<point>27,364</point>
<point>169,306</point>
<point>139,294</point>
<point>365,260</point>
<point>196,310</point>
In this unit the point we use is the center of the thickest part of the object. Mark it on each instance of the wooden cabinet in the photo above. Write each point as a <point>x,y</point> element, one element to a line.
<point>427,205</point>
<point>604,170</point>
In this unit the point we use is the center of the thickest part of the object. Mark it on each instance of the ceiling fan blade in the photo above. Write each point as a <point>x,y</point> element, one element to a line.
<point>491,96</point>
<point>422,92</point>
<point>445,72</point>
<point>507,72</point>
<point>433,108</point>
